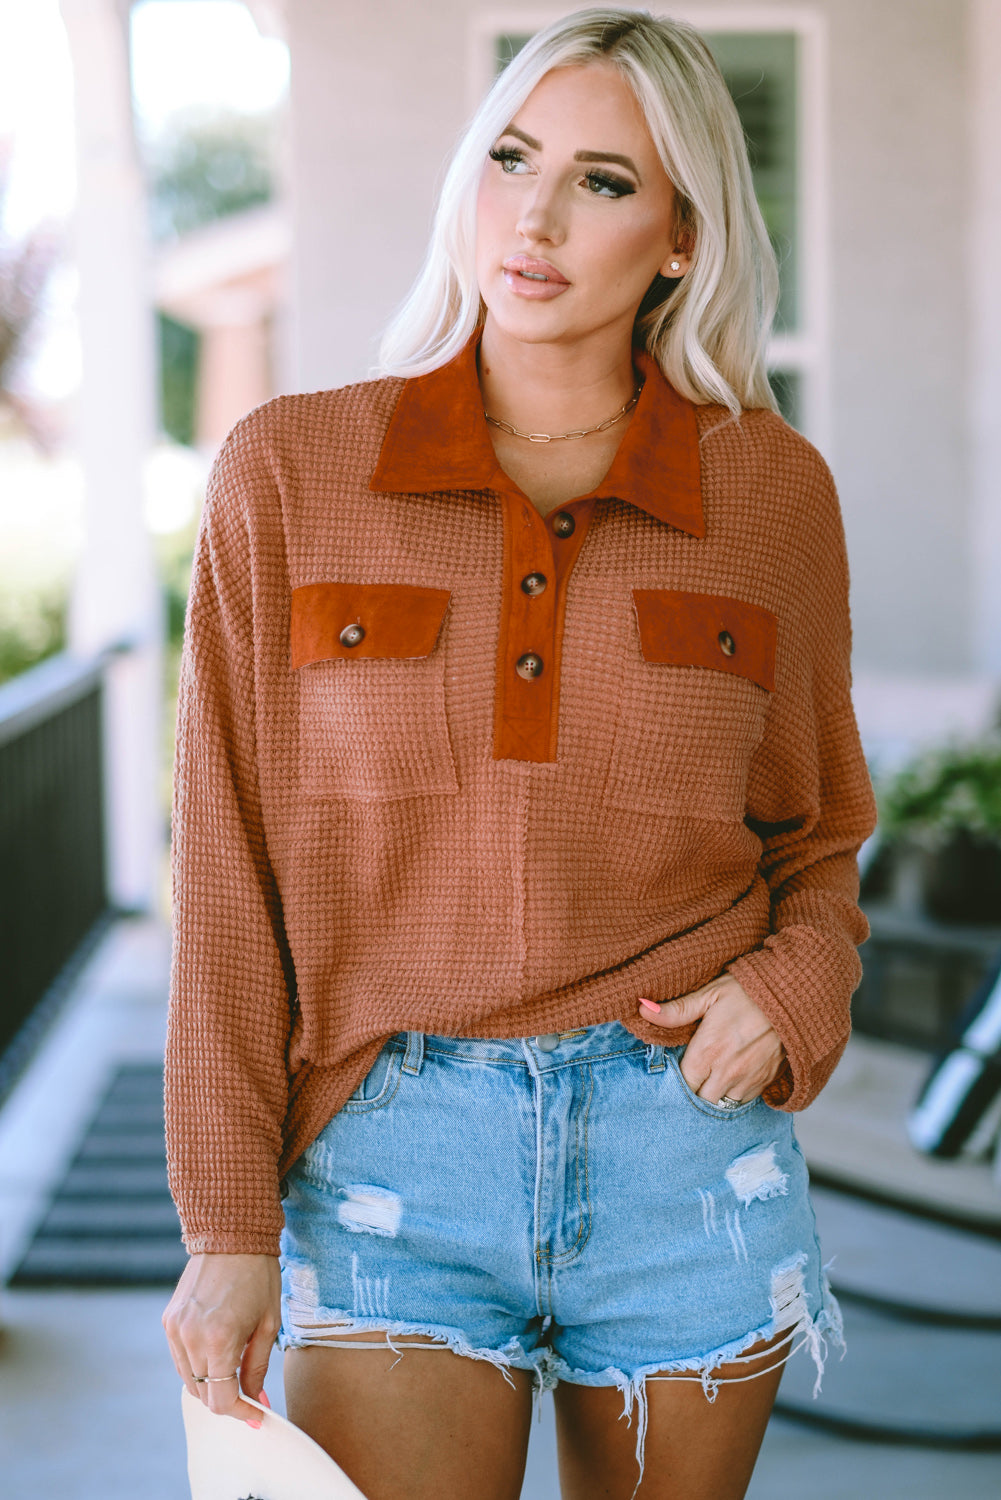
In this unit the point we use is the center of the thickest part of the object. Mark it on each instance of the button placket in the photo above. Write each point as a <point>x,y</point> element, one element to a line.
<point>527,685</point>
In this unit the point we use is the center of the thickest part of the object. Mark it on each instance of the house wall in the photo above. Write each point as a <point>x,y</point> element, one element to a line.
<point>379,94</point>
<point>984,311</point>
<point>898,222</point>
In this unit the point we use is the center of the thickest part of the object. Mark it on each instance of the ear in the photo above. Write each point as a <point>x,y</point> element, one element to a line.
<point>677,263</point>
<point>680,258</point>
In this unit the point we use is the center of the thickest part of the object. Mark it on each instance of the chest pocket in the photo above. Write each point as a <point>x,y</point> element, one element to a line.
<point>694,696</point>
<point>371,670</point>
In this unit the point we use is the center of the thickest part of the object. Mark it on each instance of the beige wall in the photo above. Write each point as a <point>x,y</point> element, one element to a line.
<point>379,93</point>
<point>898,223</point>
<point>984,304</point>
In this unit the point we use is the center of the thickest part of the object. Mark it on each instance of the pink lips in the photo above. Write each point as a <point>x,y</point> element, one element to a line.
<point>524,275</point>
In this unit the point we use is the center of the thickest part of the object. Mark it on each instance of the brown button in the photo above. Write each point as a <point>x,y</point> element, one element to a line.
<point>726,642</point>
<point>351,635</point>
<point>529,665</point>
<point>564,523</point>
<point>534,583</point>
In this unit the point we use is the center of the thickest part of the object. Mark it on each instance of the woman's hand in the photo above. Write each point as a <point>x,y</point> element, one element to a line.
<point>735,1050</point>
<point>222,1321</point>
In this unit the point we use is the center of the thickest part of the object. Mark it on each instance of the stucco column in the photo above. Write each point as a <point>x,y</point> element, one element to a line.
<point>382,87</point>
<point>985,332</point>
<point>116,599</point>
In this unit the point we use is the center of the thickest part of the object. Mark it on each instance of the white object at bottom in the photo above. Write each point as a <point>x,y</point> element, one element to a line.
<point>227,1460</point>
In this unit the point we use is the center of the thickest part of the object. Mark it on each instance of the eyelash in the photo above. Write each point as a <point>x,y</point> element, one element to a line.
<point>619,188</point>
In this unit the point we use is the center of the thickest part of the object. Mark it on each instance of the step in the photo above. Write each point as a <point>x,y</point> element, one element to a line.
<point>882,1252</point>
<point>128,1217</point>
<point>147,1179</point>
<point>101,1262</point>
<point>927,1385</point>
<point>121,1145</point>
<point>854,1134</point>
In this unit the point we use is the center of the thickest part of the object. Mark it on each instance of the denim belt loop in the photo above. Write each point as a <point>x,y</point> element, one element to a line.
<point>655,1057</point>
<point>413,1059</point>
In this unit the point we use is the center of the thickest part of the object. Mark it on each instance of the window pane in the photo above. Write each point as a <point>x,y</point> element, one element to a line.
<point>508,46</point>
<point>760,71</point>
<point>787,387</point>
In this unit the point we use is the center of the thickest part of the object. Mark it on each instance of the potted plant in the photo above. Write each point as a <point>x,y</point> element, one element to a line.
<point>945,805</point>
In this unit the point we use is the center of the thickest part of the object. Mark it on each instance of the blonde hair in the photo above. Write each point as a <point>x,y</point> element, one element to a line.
<point>708,329</point>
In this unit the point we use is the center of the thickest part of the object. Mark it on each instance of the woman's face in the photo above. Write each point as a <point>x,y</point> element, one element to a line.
<point>575,214</point>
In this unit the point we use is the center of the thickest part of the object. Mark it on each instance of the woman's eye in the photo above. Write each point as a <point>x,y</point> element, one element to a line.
<point>507,156</point>
<point>603,186</point>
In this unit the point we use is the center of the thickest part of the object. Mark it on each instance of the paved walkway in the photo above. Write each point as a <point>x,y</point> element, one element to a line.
<point>89,1403</point>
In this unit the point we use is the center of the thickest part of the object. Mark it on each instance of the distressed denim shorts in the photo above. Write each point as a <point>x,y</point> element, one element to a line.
<point>561,1204</point>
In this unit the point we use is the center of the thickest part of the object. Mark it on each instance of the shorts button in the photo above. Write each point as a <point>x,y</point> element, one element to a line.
<point>528,666</point>
<point>352,635</point>
<point>726,643</point>
<point>548,1043</point>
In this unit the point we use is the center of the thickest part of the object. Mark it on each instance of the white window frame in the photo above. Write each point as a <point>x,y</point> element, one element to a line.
<point>805,353</point>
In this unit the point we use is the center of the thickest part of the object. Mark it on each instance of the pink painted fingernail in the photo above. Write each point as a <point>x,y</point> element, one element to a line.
<point>255,1425</point>
<point>263,1399</point>
<point>651,1005</point>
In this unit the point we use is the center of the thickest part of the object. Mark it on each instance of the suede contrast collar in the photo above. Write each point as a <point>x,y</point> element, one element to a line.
<point>438,440</point>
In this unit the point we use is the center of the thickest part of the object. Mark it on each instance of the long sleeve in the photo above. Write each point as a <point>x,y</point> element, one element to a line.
<point>810,802</point>
<point>226,1086</point>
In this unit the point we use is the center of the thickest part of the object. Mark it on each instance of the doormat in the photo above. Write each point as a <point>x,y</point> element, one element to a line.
<point>112,1221</point>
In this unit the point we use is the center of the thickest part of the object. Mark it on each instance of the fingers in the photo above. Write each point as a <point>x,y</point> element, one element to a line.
<point>256,1357</point>
<point>175,1342</point>
<point>680,1012</point>
<point>220,1390</point>
<point>181,1365</point>
<point>734,1050</point>
<point>221,1320</point>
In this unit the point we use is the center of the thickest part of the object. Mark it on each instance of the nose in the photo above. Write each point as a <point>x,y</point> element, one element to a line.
<point>540,220</point>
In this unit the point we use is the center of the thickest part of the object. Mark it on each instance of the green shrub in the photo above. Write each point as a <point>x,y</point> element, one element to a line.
<point>942,791</point>
<point>173,555</point>
<point>32,627</point>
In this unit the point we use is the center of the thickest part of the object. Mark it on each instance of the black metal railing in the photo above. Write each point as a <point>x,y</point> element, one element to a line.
<point>918,975</point>
<point>52,866</point>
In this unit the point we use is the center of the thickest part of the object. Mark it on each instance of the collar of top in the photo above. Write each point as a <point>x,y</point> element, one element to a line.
<point>438,440</point>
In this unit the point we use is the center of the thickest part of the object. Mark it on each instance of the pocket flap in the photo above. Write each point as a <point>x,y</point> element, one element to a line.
<point>707,630</point>
<point>396,620</point>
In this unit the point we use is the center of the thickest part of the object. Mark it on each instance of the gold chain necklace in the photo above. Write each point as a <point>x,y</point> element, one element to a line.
<point>558,437</point>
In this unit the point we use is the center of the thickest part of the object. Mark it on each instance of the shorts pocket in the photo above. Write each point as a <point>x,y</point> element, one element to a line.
<point>372,721</point>
<point>695,690</point>
<point>379,1084</point>
<point>705,1106</point>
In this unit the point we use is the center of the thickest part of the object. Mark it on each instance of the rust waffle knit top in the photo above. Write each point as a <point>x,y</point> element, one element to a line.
<point>446,765</point>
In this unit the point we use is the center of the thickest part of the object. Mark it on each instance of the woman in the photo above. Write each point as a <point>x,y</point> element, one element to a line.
<point>518,802</point>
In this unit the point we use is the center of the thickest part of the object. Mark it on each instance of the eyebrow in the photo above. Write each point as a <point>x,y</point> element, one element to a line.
<point>611,156</point>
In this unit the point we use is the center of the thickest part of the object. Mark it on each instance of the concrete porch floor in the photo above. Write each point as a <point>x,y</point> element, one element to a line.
<point>89,1401</point>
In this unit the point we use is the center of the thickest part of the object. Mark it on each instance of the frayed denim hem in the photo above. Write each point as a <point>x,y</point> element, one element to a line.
<point>790,1316</point>
<point>327,1326</point>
